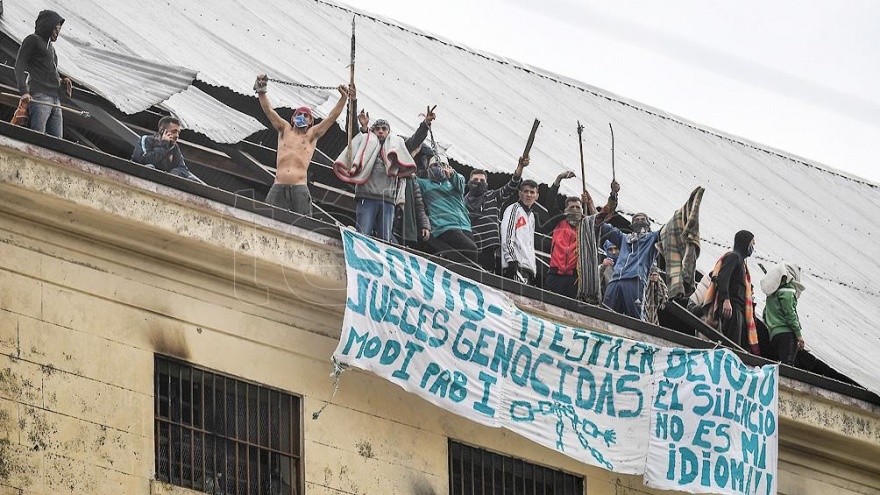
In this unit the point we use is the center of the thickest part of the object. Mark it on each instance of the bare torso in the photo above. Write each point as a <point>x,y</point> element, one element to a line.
<point>295,150</point>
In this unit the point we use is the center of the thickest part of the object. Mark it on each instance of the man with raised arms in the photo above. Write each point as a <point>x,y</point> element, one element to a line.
<point>296,145</point>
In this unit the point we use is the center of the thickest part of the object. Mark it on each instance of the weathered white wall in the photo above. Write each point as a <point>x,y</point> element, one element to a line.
<point>99,271</point>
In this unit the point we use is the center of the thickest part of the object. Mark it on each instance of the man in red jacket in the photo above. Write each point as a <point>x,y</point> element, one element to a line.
<point>562,277</point>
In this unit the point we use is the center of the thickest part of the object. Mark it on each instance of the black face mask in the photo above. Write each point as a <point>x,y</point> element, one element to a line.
<point>477,187</point>
<point>641,226</point>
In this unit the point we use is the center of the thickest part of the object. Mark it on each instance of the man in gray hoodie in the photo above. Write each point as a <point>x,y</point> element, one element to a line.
<point>36,73</point>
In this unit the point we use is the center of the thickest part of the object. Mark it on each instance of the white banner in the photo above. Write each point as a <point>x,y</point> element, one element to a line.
<point>714,425</point>
<point>599,399</point>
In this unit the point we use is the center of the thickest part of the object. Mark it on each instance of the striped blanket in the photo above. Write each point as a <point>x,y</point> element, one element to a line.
<point>589,288</point>
<point>680,245</point>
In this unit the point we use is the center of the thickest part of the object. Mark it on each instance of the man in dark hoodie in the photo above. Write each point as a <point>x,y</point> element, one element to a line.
<point>36,73</point>
<point>729,299</point>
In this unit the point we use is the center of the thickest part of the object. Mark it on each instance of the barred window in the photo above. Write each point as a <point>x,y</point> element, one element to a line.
<point>220,435</point>
<point>474,471</point>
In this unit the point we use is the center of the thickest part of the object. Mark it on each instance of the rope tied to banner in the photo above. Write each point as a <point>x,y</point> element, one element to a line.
<point>337,371</point>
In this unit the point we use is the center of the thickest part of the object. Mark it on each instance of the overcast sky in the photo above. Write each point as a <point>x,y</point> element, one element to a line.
<point>797,75</point>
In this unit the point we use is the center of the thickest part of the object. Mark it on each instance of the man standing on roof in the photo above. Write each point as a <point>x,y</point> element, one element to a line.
<point>783,287</point>
<point>296,145</point>
<point>564,272</point>
<point>626,292</point>
<point>484,209</point>
<point>378,160</point>
<point>730,297</point>
<point>443,192</point>
<point>161,151</point>
<point>518,235</point>
<point>36,73</point>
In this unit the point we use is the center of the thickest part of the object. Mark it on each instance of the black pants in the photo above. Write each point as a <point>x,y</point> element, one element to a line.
<point>456,245</point>
<point>564,285</point>
<point>490,261</point>
<point>786,345</point>
<point>734,329</point>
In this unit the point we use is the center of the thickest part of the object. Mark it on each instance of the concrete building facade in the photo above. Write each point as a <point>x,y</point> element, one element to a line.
<point>105,276</point>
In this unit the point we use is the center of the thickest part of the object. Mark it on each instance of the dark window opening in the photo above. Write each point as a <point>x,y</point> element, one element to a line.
<point>474,471</point>
<point>220,435</point>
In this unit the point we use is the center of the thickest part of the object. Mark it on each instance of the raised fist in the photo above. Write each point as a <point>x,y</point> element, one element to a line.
<point>262,83</point>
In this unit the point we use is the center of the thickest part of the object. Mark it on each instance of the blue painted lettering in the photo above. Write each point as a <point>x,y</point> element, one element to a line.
<point>372,267</point>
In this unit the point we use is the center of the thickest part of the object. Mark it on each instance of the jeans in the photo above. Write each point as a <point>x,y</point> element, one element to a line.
<point>43,118</point>
<point>375,217</point>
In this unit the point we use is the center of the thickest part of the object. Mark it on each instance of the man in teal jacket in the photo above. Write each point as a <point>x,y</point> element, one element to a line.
<point>783,286</point>
<point>443,193</point>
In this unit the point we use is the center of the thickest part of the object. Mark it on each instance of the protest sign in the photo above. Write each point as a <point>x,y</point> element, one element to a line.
<point>713,424</point>
<point>603,400</point>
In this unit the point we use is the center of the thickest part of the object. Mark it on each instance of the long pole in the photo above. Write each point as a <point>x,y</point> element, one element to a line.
<point>613,175</point>
<point>351,111</point>
<point>81,113</point>
<point>583,167</point>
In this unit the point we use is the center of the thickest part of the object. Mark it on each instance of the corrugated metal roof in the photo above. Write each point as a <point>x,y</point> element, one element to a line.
<point>799,211</point>
<point>203,114</point>
<point>127,79</point>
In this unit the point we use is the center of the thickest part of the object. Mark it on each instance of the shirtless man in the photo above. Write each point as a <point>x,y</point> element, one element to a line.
<point>296,145</point>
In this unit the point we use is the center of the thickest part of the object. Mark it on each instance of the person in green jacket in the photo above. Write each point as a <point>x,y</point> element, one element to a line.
<point>443,193</point>
<point>782,284</point>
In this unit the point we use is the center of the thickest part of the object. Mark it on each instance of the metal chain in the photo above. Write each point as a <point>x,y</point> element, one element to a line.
<point>301,85</point>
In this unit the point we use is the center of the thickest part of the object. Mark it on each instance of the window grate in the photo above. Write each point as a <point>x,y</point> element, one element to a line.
<point>474,471</point>
<point>223,436</point>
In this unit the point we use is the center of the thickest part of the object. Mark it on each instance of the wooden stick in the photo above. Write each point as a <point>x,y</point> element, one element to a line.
<point>81,113</point>
<point>531,140</point>
<point>613,174</point>
<point>350,99</point>
<point>583,167</point>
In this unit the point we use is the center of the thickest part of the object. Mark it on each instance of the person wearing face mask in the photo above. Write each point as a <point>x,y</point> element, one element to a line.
<point>728,301</point>
<point>639,250</point>
<point>629,279</point>
<point>161,151</point>
<point>484,210</point>
<point>36,74</point>
<point>443,193</point>
<point>783,287</point>
<point>573,271</point>
<point>606,268</point>
<point>296,145</point>
<point>379,160</point>
<point>562,277</point>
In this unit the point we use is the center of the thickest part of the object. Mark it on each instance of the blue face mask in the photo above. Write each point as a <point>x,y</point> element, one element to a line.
<point>751,250</point>
<point>300,120</point>
<point>436,173</point>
